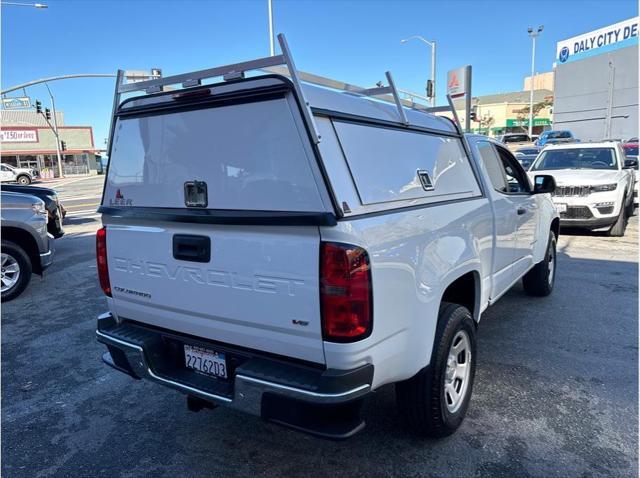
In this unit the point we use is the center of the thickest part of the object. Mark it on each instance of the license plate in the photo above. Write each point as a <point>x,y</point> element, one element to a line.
<point>205,361</point>
<point>561,207</point>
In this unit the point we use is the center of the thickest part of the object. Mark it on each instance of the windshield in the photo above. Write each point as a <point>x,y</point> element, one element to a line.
<point>576,158</point>
<point>558,134</point>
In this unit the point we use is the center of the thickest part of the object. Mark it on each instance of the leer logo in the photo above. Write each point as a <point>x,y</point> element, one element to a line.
<point>119,200</point>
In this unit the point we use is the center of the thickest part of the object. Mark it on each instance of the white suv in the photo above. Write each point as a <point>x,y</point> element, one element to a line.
<point>22,176</point>
<point>285,249</point>
<point>594,189</point>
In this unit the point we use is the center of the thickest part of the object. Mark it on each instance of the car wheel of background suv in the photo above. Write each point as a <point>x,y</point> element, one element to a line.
<point>23,179</point>
<point>16,270</point>
<point>618,228</point>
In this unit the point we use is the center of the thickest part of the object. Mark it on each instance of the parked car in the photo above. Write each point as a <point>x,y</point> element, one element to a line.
<point>55,210</point>
<point>594,185</point>
<point>22,176</point>
<point>289,277</point>
<point>555,137</point>
<point>515,141</point>
<point>26,247</point>
<point>526,156</point>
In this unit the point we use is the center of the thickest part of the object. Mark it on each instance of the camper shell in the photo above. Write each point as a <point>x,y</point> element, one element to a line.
<point>229,206</point>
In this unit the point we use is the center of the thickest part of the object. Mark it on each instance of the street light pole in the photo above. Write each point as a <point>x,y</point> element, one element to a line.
<point>432,44</point>
<point>55,131</point>
<point>272,50</point>
<point>533,36</point>
<point>16,4</point>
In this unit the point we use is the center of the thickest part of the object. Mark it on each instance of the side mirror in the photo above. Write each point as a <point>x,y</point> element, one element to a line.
<point>630,164</point>
<point>544,184</point>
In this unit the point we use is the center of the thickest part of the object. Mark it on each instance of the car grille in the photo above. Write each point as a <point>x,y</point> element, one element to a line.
<point>576,212</point>
<point>580,191</point>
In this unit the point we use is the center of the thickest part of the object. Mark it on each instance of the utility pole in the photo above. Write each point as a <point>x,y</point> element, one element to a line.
<point>533,36</point>
<point>272,49</point>
<point>55,131</point>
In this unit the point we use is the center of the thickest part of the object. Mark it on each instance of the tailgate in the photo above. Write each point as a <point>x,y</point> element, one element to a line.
<point>259,289</point>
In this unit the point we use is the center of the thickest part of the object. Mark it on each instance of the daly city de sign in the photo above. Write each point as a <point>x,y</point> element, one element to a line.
<point>618,35</point>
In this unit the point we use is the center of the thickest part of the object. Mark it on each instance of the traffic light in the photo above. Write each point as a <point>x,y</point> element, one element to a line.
<point>47,113</point>
<point>63,145</point>
<point>38,107</point>
<point>474,113</point>
<point>430,91</point>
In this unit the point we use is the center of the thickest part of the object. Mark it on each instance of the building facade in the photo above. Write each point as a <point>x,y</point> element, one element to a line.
<point>596,83</point>
<point>509,112</point>
<point>28,141</point>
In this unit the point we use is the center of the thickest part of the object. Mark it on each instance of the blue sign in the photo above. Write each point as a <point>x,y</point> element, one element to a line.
<point>564,54</point>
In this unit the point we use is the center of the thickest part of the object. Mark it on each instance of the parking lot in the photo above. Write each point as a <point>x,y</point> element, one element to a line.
<point>556,391</point>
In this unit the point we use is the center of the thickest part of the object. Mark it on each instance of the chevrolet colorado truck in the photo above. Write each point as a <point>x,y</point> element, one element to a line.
<point>285,249</point>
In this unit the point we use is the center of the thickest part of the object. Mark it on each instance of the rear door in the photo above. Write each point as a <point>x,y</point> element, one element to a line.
<point>212,212</point>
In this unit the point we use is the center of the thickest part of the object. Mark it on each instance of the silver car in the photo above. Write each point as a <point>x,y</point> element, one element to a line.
<point>26,246</point>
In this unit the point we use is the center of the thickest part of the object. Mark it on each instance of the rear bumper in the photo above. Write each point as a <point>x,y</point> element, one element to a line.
<point>322,402</point>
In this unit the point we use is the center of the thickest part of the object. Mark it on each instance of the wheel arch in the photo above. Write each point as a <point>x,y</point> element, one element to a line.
<point>465,290</point>
<point>25,240</point>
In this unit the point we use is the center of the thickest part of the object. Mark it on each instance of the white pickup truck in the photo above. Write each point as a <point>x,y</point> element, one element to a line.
<point>286,249</point>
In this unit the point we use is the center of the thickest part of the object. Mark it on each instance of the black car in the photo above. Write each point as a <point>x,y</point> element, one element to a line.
<point>54,209</point>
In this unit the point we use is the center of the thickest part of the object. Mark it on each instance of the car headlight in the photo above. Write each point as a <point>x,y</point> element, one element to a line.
<point>38,208</point>
<point>604,187</point>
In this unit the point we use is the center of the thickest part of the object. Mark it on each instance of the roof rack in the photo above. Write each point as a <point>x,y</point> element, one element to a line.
<point>281,64</point>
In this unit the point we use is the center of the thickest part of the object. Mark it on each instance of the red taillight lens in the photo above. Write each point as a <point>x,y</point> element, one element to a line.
<point>345,292</point>
<point>101,257</point>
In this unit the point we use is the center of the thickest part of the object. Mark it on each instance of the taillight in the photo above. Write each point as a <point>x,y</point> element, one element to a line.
<point>345,292</point>
<point>101,257</point>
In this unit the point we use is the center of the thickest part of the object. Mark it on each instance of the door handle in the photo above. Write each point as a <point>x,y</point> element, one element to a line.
<point>521,211</point>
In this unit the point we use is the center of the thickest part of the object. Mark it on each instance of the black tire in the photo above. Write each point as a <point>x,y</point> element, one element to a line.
<point>423,400</point>
<point>630,208</point>
<point>18,254</point>
<point>618,228</point>
<point>23,180</point>
<point>540,279</point>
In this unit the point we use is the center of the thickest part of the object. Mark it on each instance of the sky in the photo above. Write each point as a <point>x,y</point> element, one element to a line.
<point>354,41</point>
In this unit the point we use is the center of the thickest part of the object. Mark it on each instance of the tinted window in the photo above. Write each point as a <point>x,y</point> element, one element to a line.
<point>385,163</point>
<point>492,165</point>
<point>576,158</point>
<point>516,177</point>
<point>559,134</point>
<point>516,138</point>
<point>251,157</point>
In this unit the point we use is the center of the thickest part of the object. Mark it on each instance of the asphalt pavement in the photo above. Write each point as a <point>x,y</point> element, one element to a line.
<point>556,390</point>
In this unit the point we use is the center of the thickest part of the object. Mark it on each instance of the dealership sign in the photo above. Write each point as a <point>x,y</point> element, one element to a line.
<point>19,135</point>
<point>605,39</point>
<point>458,81</point>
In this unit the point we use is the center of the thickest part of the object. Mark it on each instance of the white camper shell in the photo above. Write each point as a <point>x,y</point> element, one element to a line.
<point>239,215</point>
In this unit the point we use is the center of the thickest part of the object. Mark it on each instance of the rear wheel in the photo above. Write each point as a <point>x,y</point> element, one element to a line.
<point>434,402</point>
<point>16,270</point>
<point>23,179</point>
<point>540,279</point>
<point>618,228</point>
